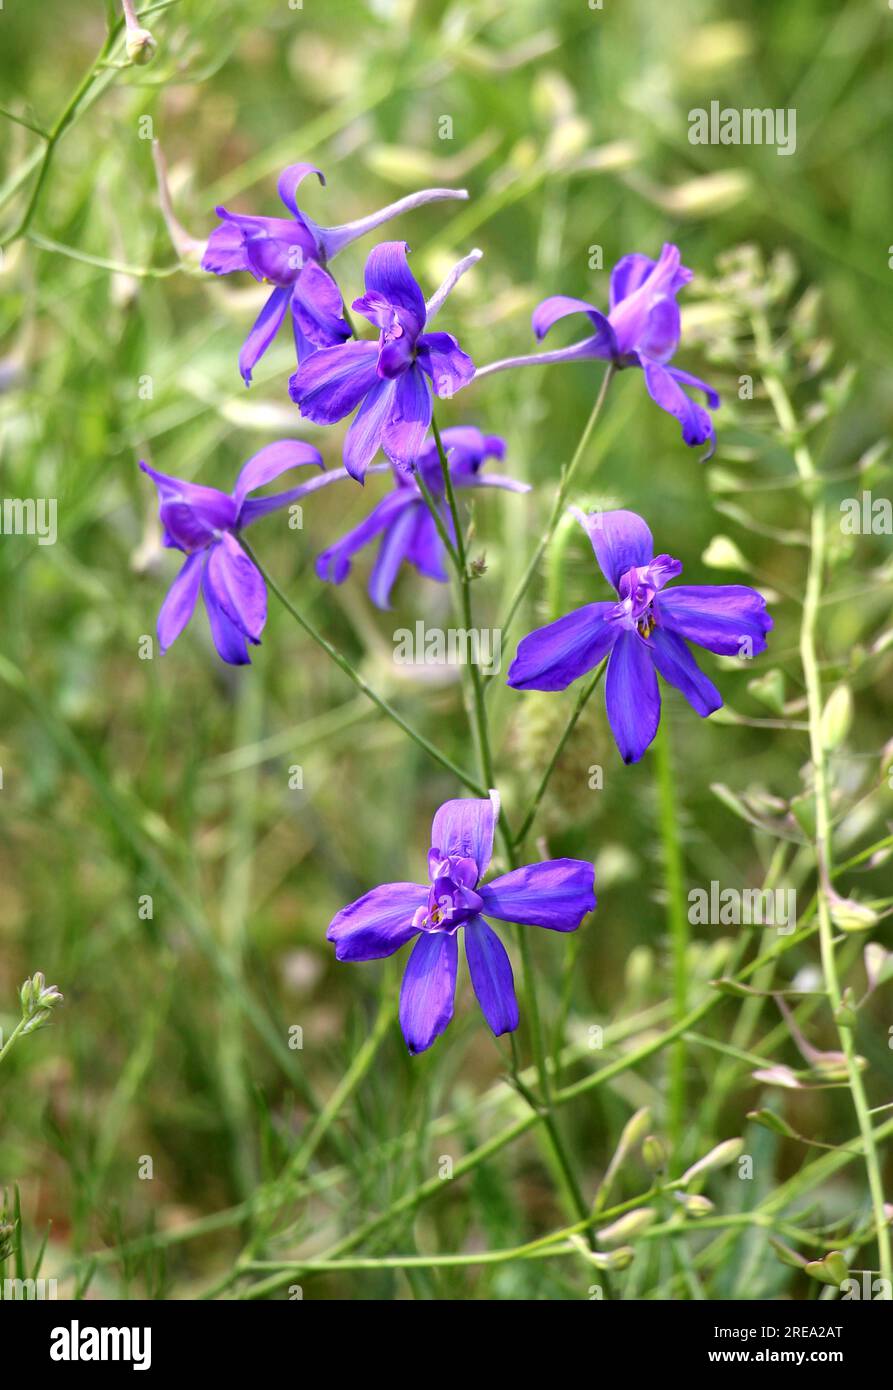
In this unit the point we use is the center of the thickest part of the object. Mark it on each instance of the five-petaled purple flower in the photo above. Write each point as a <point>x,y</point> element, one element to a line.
<point>402,519</point>
<point>204,524</point>
<point>556,894</point>
<point>291,253</point>
<point>641,330</point>
<point>646,632</point>
<point>388,377</point>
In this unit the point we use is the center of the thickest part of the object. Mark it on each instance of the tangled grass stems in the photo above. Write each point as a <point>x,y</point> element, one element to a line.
<point>814,491</point>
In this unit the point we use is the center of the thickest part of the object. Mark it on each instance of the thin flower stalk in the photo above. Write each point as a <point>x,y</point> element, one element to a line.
<point>480,729</point>
<point>564,485</point>
<point>787,419</point>
<point>362,684</point>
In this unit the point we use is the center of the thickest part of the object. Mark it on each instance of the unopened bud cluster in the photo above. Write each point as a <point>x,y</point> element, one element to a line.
<point>38,1001</point>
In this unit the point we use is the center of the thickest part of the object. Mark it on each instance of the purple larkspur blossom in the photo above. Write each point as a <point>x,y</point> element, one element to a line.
<point>291,254</point>
<point>402,519</point>
<point>556,894</point>
<point>204,524</point>
<point>647,631</point>
<point>387,379</point>
<point>641,330</point>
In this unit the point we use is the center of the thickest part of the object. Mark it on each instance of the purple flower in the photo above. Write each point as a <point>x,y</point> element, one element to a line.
<point>291,253</point>
<point>204,524</point>
<point>386,379</point>
<point>646,632</point>
<point>402,519</point>
<point>556,894</point>
<point>641,330</point>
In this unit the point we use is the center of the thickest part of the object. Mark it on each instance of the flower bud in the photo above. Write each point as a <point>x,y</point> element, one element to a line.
<point>837,717</point>
<point>639,967</point>
<point>694,1204</point>
<point>635,1129</point>
<point>878,965</point>
<point>626,1227</point>
<point>655,1153</point>
<point>140,46</point>
<point>724,1153</point>
<point>633,1132</point>
<point>38,1000</point>
<point>722,553</point>
<point>833,1269</point>
<point>851,916</point>
<point>36,1020</point>
<point>614,1260</point>
<point>618,1259</point>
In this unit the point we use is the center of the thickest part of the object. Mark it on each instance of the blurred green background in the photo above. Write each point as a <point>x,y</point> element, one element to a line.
<point>169,777</point>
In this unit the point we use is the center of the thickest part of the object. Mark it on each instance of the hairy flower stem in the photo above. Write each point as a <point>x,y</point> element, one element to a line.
<point>787,419</point>
<point>480,729</point>
<point>359,681</point>
<point>677,923</point>
<point>564,485</point>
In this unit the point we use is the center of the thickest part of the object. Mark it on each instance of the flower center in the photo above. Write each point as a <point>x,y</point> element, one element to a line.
<point>638,588</point>
<point>635,608</point>
<point>451,898</point>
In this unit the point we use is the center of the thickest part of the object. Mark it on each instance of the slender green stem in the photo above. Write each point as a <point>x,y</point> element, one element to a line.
<point>763,1216</point>
<point>496,1098</point>
<point>23,121</point>
<point>53,136</point>
<point>448,1124</point>
<point>97,69</point>
<point>677,923</point>
<point>437,518</point>
<point>470,1161</point>
<point>582,700</point>
<point>11,1040</point>
<point>811,613</point>
<point>460,558</point>
<point>564,485</point>
<point>274,1196</point>
<point>434,1186</point>
<point>358,1069</point>
<point>362,684</point>
<point>480,727</point>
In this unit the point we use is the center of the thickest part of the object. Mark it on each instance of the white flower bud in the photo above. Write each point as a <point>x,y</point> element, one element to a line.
<point>140,45</point>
